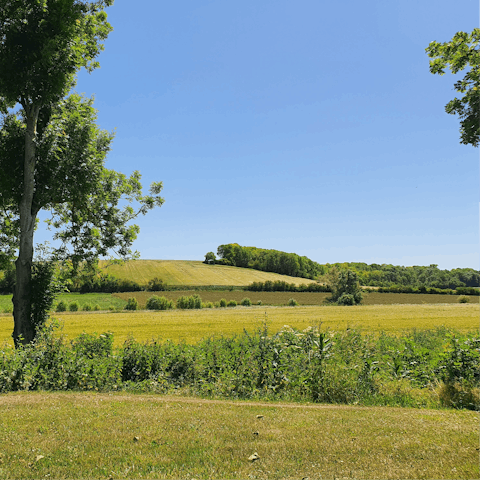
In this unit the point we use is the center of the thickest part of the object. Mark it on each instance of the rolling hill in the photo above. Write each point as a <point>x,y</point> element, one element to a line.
<point>191,272</point>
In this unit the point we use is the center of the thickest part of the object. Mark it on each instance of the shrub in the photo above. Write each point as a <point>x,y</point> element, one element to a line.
<point>87,307</point>
<point>216,304</point>
<point>132,304</point>
<point>156,285</point>
<point>159,303</point>
<point>246,302</point>
<point>73,307</point>
<point>61,306</point>
<point>96,307</point>
<point>463,299</point>
<point>344,287</point>
<point>209,305</point>
<point>292,303</point>
<point>259,302</point>
<point>192,302</point>
<point>222,303</point>
<point>346,299</point>
<point>232,303</point>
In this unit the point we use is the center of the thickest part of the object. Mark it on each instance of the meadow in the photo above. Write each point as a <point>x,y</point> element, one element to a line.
<point>118,435</point>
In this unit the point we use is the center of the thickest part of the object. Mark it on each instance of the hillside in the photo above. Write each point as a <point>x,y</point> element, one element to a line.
<point>191,272</point>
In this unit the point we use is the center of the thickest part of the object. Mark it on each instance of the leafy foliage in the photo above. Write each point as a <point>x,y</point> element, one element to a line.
<point>411,369</point>
<point>159,303</point>
<point>461,52</point>
<point>344,287</point>
<point>268,260</point>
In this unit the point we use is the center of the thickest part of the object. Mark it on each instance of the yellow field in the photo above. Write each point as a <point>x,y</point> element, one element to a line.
<point>193,325</point>
<point>190,272</point>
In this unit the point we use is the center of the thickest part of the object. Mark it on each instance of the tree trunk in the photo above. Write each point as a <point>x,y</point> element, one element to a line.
<point>24,331</point>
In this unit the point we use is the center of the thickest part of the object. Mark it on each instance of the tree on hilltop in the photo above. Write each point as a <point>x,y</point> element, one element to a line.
<point>52,153</point>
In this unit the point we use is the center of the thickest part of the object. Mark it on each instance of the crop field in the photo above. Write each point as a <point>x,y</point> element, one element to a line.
<point>303,298</point>
<point>186,272</point>
<point>117,435</point>
<point>191,326</point>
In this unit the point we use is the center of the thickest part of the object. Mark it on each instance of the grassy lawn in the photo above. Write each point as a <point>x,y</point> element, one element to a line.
<point>85,435</point>
<point>193,325</point>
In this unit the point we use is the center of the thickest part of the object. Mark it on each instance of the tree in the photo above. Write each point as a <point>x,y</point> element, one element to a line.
<point>344,287</point>
<point>51,151</point>
<point>210,258</point>
<point>457,54</point>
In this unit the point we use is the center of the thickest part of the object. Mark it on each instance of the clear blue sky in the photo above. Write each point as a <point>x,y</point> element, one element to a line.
<point>311,127</point>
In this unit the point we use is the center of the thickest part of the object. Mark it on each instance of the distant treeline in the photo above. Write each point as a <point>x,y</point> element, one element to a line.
<point>269,261</point>
<point>417,276</point>
<point>374,275</point>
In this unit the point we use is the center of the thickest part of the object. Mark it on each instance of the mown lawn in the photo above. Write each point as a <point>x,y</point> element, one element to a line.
<point>85,435</point>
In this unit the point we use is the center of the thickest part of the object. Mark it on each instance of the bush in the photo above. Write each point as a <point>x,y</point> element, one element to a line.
<point>463,299</point>
<point>192,302</point>
<point>156,285</point>
<point>61,306</point>
<point>87,307</point>
<point>344,287</point>
<point>246,302</point>
<point>259,302</point>
<point>209,305</point>
<point>222,303</point>
<point>96,307</point>
<point>232,303</point>
<point>216,304</point>
<point>346,299</point>
<point>73,307</point>
<point>292,303</point>
<point>132,304</point>
<point>159,303</point>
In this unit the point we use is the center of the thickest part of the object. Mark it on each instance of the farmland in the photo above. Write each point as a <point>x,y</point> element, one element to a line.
<point>303,298</point>
<point>193,325</point>
<point>184,272</point>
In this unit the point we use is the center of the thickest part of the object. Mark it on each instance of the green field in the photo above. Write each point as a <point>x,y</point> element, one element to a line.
<point>117,435</point>
<point>191,272</point>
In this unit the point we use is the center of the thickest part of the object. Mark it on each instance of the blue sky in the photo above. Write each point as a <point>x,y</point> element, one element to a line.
<point>311,127</point>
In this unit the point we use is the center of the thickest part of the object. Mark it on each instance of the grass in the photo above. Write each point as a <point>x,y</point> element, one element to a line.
<point>193,325</point>
<point>190,272</point>
<point>77,435</point>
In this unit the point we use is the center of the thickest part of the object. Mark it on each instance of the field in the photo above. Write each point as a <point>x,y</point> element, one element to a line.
<point>85,435</point>
<point>303,298</point>
<point>186,272</point>
<point>193,325</point>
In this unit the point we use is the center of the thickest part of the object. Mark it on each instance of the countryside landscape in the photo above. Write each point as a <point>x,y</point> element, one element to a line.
<point>267,364</point>
<point>338,339</point>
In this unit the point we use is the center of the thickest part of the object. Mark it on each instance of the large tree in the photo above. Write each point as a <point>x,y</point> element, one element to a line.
<point>460,53</point>
<point>51,151</point>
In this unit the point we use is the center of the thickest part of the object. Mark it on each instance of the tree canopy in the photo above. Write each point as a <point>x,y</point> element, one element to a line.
<point>461,52</point>
<point>52,153</point>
